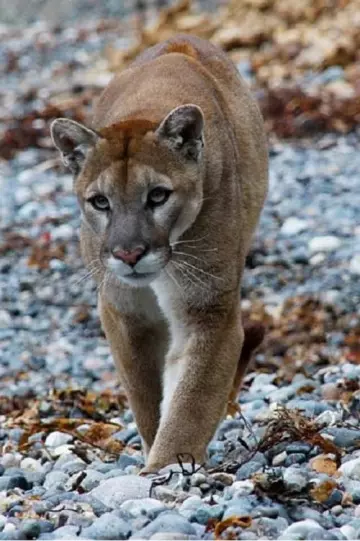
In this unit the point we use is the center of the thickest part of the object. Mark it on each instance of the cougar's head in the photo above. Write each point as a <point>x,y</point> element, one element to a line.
<point>139,184</point>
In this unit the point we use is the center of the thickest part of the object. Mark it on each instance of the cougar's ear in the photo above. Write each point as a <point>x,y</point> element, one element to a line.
<point>183,130</point>
<point>73,140</point>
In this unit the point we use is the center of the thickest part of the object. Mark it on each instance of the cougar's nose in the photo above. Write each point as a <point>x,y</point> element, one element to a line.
<point>130,257</point>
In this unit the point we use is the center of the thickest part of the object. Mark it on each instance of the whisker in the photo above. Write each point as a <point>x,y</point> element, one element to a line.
<point>94,265</point>
<point>209,198</point>
<point>89,274</point>
<point>190,247</point>
<point>185,275</point>
<point>189,255</point>
<point>192,241</point>
<point>173,279</point>
<point>188,272</point>
<point>202,271</point>
<point>103,281</point>
<point>201,249</point>
<point>93,262</point>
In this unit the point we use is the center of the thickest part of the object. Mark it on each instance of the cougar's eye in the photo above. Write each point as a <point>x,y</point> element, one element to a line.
<point>158,196</point>
<point>99,202</point>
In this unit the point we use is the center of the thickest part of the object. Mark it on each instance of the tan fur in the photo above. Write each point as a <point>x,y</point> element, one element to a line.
<point>184,328</point>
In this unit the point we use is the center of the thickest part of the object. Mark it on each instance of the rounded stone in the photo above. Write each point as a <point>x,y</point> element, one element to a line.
<point>108,526</point>
<point>91,480</point>
<point>303,528</point>
<point>146,506</point>
<point>31,529</point>
<point>56,439</point>
<point>31,465</point>
<point>114,492</point>
<point>55,480</point>
<point>295,458</point>
<point>246,471</point>
<point>167,523</point>
<point>10,460</point>
<point>351,469</point>
<point>326,243</point>
<point>293,226</point>
<point>295,479</point>
<point>354,265</point>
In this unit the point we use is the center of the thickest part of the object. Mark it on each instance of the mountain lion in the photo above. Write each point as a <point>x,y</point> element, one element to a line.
<point>171,179</point>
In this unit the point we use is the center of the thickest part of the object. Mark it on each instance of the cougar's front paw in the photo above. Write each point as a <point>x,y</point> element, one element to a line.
<point>149,472</point>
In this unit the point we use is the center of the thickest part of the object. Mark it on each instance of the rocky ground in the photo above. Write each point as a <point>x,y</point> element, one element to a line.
<point>288,466</point>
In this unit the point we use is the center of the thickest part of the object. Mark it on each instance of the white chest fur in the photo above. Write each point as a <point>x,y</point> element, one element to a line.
<point>173,371</point>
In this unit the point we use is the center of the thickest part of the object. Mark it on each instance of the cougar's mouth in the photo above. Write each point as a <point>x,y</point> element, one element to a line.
<point>138,279</point>
<point>147,269</point>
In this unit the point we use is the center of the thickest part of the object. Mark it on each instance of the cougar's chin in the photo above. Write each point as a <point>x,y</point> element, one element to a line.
<point>138,280</point>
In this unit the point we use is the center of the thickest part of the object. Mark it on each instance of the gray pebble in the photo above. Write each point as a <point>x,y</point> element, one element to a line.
<point>164,536</point>
<point>128,460</point>
<point>169,495</point>
<point>114,472</point>
<point>114,492</point>
<point>65,532</point>
<point>245,471</point>
<point>46,526</point>
<point>12,535</point>
<point>108,526</point>
<point>351,469</point>
<point>125,435</point>
<point>335,498</point>
<point>169,522</point>
<point>97,506</point>
<point>91,480</point>
<point>270,527</point>
<point>73,466</point>
<point>299,447</point>
<point>301,513</point>
<point>306,529</point>
<point>55,480</point>
<point>102,467</point>
<point>295,479</point>
<point>344,437</point>
<point>8,482</point>
<point>279,459</point>
<point>262,511</point>
<point>31,529</point>
<point>310,408</point>
<point>15,434</point>
<point>336,533</point>
<point>239,508</point>
<point>56,439</point>
<point>216,446</point>
<point>146,506</point>
<point>295,458</point>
